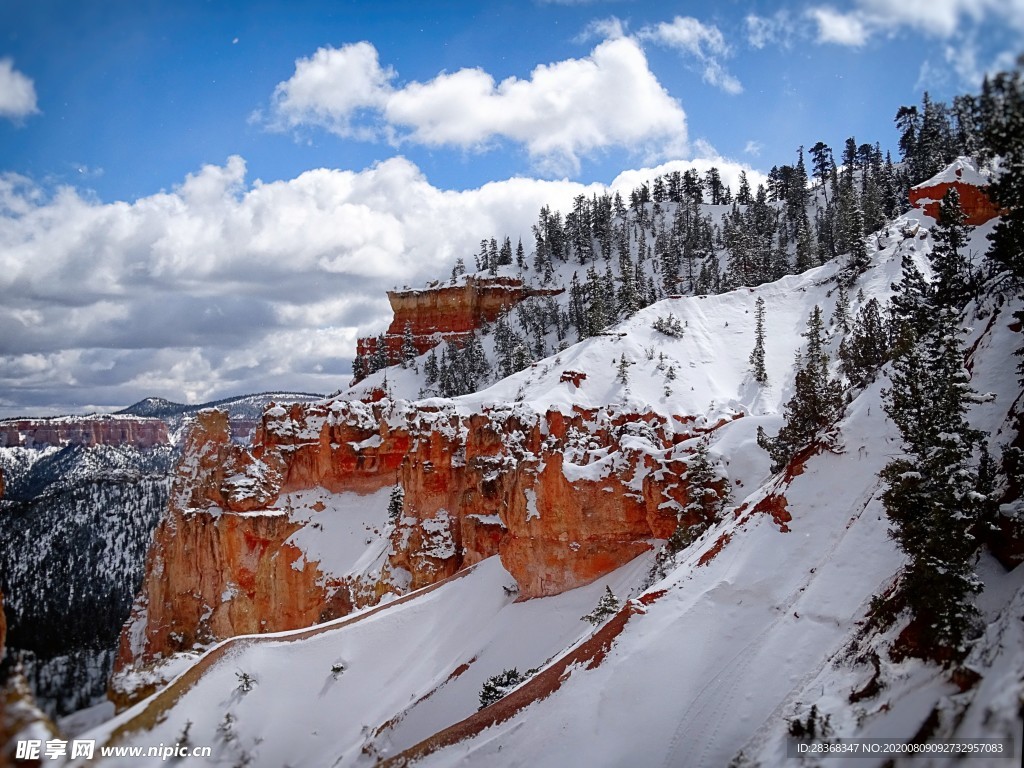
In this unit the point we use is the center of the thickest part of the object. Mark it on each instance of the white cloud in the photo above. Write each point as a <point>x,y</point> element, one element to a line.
<point>564,111</point>
<point>841,28</point>
<point>944,19</point>
<point>753,148</point>
<point>603,29</point>
<point>17,92</point>
<point>964,58</point>
<point>704,42</point>
<point>223,286</point>
<point>778,29</point>
<point>332,86</point>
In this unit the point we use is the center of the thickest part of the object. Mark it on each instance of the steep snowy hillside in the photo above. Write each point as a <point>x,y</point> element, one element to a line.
<point>714,652</point>
<point>682,234</point>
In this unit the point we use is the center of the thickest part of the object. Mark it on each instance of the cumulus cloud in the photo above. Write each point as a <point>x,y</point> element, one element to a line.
<point>17,92</point>
<point>331,87</point>
<point>703,42</point>
<point>223,286</point>
<point>562,112</point>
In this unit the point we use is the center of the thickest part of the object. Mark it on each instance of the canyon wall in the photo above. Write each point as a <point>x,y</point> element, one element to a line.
<point>83,430</point>
<point>563,498</point>
<point>445,313</point>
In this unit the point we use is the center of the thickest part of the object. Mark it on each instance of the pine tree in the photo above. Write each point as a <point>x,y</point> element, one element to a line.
<point>430,369</point>
<point>931,495</point>
<point>804,243</point>
<point>822,165</point>
<point>409,351</point>
<point>505,253</point>
<point>859,260</point>
<point>911,307</point>
<point>866,348</point>
<point>395,504</point>
<point>497,686</point>
<point>359,367</point>
<point>952,285</point>
<point>458,269</point>
<point>607,606</point>
<point>841,316</point>
<point>757,367</point>
<point>816,402</point>
<point>622,370</point>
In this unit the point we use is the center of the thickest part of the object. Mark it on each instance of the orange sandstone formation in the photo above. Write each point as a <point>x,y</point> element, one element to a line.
<point>83,430</point>
<point>446,313</point>
<point>563,498</point>
<point>970,186</point>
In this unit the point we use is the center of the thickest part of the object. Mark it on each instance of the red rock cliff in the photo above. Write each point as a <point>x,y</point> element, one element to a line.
<point>85,430</point>
<point>446,313</point>
<point>562,498</point>
<point>970,186</point>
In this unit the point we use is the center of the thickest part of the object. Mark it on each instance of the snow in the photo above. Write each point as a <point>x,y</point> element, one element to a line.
<point>962,170</point>
<point>757,621</point>
<point>531,504</point>
<point>402,659</point>
<point>345,537</point>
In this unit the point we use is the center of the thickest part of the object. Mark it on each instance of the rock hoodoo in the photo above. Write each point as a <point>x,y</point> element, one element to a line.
<point>441,312</point>
<point>970,184</point>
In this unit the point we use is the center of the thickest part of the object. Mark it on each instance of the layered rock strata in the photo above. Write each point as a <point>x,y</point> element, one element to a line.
<point>563,498</point>
<point>84,430</point>
<point>440,313</point>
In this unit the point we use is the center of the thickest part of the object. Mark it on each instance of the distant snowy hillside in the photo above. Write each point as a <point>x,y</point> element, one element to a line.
<point>75,524</point>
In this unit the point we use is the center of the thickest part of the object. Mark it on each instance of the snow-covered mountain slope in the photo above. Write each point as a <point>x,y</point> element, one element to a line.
<point>762,617</point>
<point>353,690</point>
<point>711,357</point>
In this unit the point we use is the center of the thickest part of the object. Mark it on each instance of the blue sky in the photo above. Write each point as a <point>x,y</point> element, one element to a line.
<point>158,160</point>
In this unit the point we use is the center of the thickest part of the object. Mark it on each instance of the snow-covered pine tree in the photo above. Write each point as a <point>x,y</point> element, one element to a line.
<point>952,284</point>
<point>757,367</point>
<point>409,351</point>
<point>496,686</point>
<point>607,606</point>
<point>858,260</point>
<point>622,370</point>
<point>841,315</point>
<point>395,504</point>
<point>866,348</point>
<point>931,496</point>
<point>911,308</point>
<point>430,369</point>
<point>816,402</point>
<point>708,494</point>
